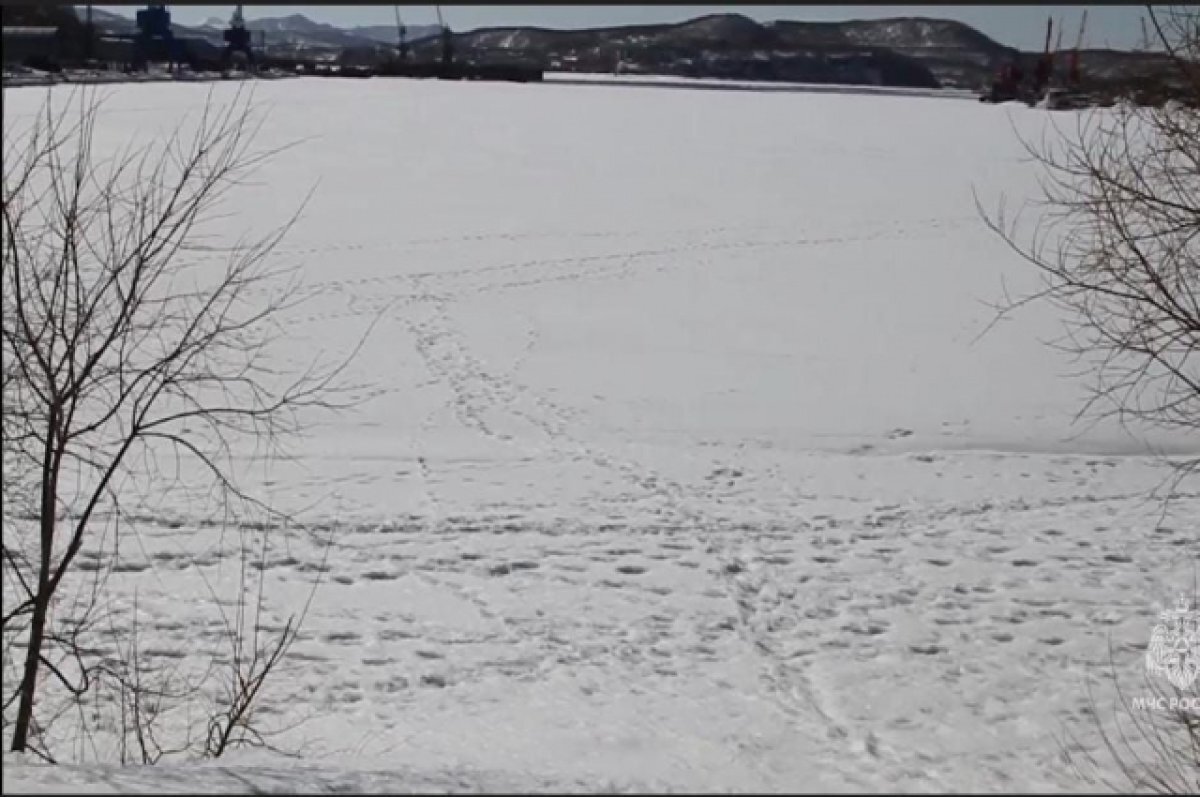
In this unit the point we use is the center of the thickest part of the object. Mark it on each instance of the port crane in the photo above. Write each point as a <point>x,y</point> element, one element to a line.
<point>1074,77</point>
<point>1010,81</point>
<point>154,26</point>
<point>447,39</point>
<point>404,46</point>
<point>237,39</point>
<point>445,67</point>
<point>1044,68</point>
<point>89,37</point>
<point>401,35</point>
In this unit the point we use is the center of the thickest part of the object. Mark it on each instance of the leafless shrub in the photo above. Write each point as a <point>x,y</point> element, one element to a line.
<point>164,709</point>
<point>1116,245</point>
<point>1150,741</point>
<point>255,652</point>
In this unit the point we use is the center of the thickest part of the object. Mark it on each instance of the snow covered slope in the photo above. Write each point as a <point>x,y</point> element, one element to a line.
<point>688,468</point>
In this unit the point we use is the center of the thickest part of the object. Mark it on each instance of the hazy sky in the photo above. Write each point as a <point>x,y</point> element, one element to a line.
<point>1017,26</point>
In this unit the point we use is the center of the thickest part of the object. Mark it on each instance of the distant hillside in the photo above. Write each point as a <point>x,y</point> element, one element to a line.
<point>38,16</point>
<point>902,51</point>
<point>291,32</point>
<point>956,53</point>
<point>386,34</point>
<point>298,29</point>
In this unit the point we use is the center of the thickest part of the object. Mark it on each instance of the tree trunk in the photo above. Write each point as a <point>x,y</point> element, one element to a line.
<point>33,657</point>
<point>41,601</point>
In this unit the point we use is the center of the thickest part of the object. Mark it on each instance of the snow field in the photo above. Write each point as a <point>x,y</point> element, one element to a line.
<point>685,466</point>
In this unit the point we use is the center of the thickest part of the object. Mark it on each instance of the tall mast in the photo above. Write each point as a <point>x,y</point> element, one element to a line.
<point>401,34</point>
<point>1073,73</point>
<point>89,33</point>
<point>447,39</point>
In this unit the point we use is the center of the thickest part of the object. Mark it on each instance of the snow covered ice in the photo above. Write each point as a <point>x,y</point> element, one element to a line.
<point>687,466</point>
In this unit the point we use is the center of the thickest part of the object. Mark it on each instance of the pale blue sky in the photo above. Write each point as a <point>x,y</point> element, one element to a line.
<point>1017,26</point>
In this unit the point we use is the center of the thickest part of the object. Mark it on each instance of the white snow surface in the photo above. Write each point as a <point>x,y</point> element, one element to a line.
<point>687,467</point>
<point>672,81</point>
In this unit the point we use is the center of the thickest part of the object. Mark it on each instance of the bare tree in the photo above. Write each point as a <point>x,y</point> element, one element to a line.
<point>125,341</point>
<point>1118,248</point>
<point>1117,242</point>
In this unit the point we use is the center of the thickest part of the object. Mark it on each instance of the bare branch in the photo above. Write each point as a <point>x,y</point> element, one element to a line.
<point>122,338</point>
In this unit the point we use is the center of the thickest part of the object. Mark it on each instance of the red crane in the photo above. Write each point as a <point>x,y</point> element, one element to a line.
<point>1073,74</point>
<point>447,40</point>
<point>402,34</point>
<point>1045,65</point>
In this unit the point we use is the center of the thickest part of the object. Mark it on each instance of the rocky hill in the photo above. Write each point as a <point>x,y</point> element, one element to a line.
<point>726,45</point>
<point>902,51</point>
<point>291,32</point>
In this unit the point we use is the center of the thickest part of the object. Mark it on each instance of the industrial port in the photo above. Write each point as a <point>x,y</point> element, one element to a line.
<point>83,54</point>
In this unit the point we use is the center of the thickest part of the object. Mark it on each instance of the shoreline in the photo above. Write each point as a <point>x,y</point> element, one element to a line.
<point>11,80</point>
